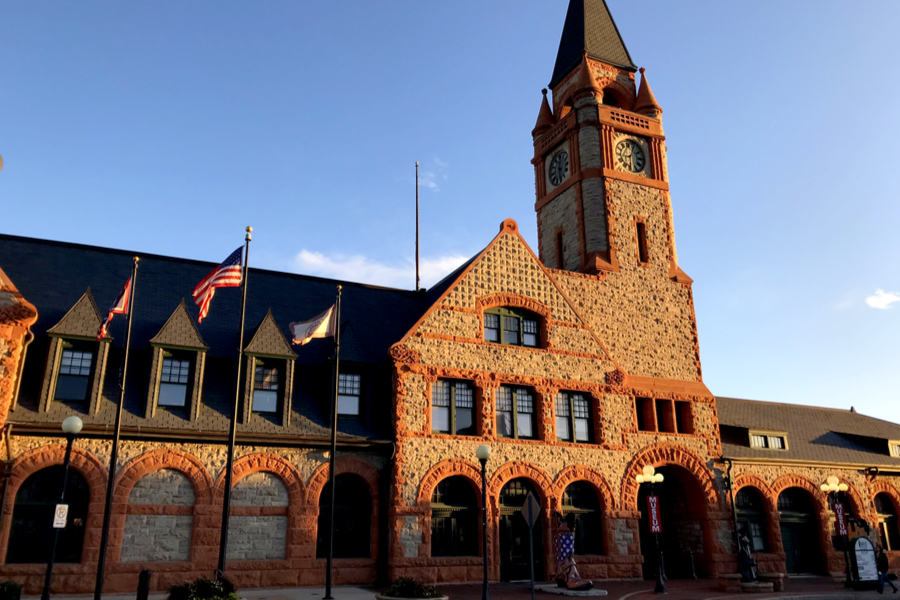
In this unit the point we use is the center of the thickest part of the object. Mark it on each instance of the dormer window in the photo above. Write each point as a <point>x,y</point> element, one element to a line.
<point>74,376</point>
<point>174,378</point>
<point>894,448</point>
<point>768,441</point>
<point>349,385</point>
<point>512,327</point>
<point>265,387</point>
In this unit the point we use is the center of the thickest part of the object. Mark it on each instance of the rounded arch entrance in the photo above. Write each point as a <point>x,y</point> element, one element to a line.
<point>799,514</point>
<point>515,552</point>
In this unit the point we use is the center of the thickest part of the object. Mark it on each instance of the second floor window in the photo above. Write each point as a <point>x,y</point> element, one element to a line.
<point>173,381</point>
<point>452,408</point>
<point>74,376</point>
<point>512,326</point>
<point>516,413</point>
<point>573,417</point>
<point>265,387</point>
<point>348,394</point>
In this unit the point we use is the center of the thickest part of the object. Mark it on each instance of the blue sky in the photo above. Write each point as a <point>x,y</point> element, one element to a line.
<point>167,127</point>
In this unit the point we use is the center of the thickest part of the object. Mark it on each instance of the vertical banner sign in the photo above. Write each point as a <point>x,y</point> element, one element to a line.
<point>653,507</point>
<point>840,518</point>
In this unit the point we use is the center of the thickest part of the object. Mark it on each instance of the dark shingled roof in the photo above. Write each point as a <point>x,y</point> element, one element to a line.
<point>813,433</point>
<point>589,26</point>
<point>54,276</point>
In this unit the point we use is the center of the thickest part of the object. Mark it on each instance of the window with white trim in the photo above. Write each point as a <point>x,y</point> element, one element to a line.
<point>768,441</point>
<point>265,386</point>
<point>894,448</point>
<point>73,380</point>
<point>173,379</point>
<point>349,386</point>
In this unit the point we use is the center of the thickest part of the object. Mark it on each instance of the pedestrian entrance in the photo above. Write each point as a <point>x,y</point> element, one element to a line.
<point>514,534</point>
<point>799,532</point>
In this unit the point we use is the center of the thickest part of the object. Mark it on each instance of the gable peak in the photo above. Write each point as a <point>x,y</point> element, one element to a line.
<point>82,320</point>
<point>180,330</point>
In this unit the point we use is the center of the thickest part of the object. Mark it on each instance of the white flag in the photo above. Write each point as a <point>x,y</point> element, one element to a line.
<point>321,326</point>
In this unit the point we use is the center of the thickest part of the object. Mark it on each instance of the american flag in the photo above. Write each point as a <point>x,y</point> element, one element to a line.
<point>228,274</point>
<point>119,307</point>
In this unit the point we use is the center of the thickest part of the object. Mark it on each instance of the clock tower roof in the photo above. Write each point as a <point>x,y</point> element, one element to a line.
<point>590,29</point>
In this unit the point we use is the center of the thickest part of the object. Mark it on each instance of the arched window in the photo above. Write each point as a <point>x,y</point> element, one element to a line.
<point>581,500</point>
<point>512,326</point>
<point>352,518</point>
<point>887,522</point>
<point>454,518</point>
<point>609,99</point>
<point>31,535</point>
<point>751,517</point>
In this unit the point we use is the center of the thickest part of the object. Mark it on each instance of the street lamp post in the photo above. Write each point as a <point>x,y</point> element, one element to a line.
<point>70,426</point>
<point>484,453</point>
<point>837,492</point>
<point>649,476</point>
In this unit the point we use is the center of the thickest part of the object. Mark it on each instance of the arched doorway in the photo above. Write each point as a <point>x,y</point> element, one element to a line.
<point>352,518</point>
<point>800,532</point>
<point>514,534</point>
<point>750,510</point>
<point>31,534</point>
<point>682,513</point>
<point>454,518</point>
<point>580,500</point>
<point>888,532</point>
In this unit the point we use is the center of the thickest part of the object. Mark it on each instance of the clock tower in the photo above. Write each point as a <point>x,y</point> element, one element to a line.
<point>599,155</point>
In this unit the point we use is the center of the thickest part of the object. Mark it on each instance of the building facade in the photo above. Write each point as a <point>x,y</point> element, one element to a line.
<point>577,365</point>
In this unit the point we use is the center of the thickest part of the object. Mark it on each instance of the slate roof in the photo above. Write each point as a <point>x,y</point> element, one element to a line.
<point>813,433</point>
<point>54,276</point>
<point>589,27</point>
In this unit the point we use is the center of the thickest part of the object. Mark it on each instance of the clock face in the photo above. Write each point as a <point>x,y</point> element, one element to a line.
<point>559,168</point>
<point>630,156</point>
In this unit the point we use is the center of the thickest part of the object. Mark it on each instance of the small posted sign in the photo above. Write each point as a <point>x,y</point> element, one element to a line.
<point>840,518</point>
<point>653,512</point>
<point>531,510</point>
<point>60,515</point>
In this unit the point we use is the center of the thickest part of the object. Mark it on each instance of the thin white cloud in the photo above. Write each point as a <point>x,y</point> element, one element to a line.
<point>882,299</point>
<point>433,175</point>
<point>365,270</point>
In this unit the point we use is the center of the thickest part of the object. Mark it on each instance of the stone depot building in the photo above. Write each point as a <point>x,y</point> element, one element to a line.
<point>577,363</point>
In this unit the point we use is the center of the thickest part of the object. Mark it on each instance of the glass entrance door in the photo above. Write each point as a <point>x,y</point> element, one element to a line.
<point>514,534</point>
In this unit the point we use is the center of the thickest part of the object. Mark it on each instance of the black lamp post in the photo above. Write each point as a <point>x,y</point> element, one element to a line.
<point>837,493</point>
<point>70,426</point>
<point>651,478</point>
<point>484,453</point>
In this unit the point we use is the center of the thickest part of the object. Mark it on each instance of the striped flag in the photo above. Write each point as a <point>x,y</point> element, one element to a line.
<point>228,274</point>
<point>321,326</point>
<point>119,307</point>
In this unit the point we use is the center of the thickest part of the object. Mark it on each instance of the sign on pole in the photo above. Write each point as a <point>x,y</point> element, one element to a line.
<point>60,515</point>
<point>531,510</point>
<point>840,518</point>
<point>653,511</point>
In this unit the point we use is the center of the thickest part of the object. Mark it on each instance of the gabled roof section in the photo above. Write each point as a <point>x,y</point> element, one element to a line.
<point>589,28</point>
<point>82,320</point>
<point>506,266</point>
<point>180,330</point>
<point>269,340</point>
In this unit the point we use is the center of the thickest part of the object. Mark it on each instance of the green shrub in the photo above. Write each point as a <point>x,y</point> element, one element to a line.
<point>407,587</point>
<point>204,589</point>
<point>10,590</point>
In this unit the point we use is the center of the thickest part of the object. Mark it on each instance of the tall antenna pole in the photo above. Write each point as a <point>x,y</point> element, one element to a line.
<point>417,226</point>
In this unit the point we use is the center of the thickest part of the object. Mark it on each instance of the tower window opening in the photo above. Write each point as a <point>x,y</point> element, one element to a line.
<point>643,254</point>
<point>560,262</point>
<point>610,100</point>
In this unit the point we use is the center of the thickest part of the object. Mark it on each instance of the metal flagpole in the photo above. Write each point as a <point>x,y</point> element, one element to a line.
<point>334,421</point>
<point>226,504</point>
<point>114,455</point>
<point>417,226</point>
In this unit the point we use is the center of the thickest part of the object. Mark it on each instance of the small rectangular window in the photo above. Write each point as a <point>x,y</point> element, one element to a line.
<point>776,442</point>
<point>515,413</point>
<point>511,330</point>
<point>525,416</point>
<point>504,412</point>
<point>582,416</point>
<point>265,387</point>
<point>440,407</point>
<point>173,381</point>
<point>530,335</point>
<point>643,255</point>
<point>563,419</point>
<point>492,328</point>
<point>573,417</point>
<point>684,422</point>
<point>758,441</point>
<point>665,416</point>
<point>894,448</point>
<point>74,375</point>
<point>646,418</point>
<point>348,394</point>
<point>560,259</point>
<point>464,403</point>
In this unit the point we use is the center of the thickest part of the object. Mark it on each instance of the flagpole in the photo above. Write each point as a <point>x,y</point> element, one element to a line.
<point>417,226</point>
<point>114,454</point>
<point>332,455</point>
<point>226,504</point>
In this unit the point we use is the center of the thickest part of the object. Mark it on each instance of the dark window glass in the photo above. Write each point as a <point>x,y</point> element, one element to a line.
<point>31,535</point>
<point>887,522</point>
<point>454,519</point>
<point>751,517</point>
<point>75,368</point>
<point>265,387</point>
<point>643,254</point>
<point>348,394</point>
<point>173,380</point>
<point>352,518</point>
<point>512,326</point>
<point>580,500</point>
<point>492,328</point>
<point>452,407</point>
<point>516,413</point>
<point>573,417</point>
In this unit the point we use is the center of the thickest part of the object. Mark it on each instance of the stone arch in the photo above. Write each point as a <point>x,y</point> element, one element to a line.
<point>444,469</point>
<point>260,462</point>
<point>343,464</point>
<point>32,461</point>
<point>750,480</point>
<point>788,481</point>
<point>884,487</point>
<point>574,473</point>
<point>164,458</point>
<point>617,91</point>
<point>516,301</point>
<point>663,454</point>
<point>514,470</point>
